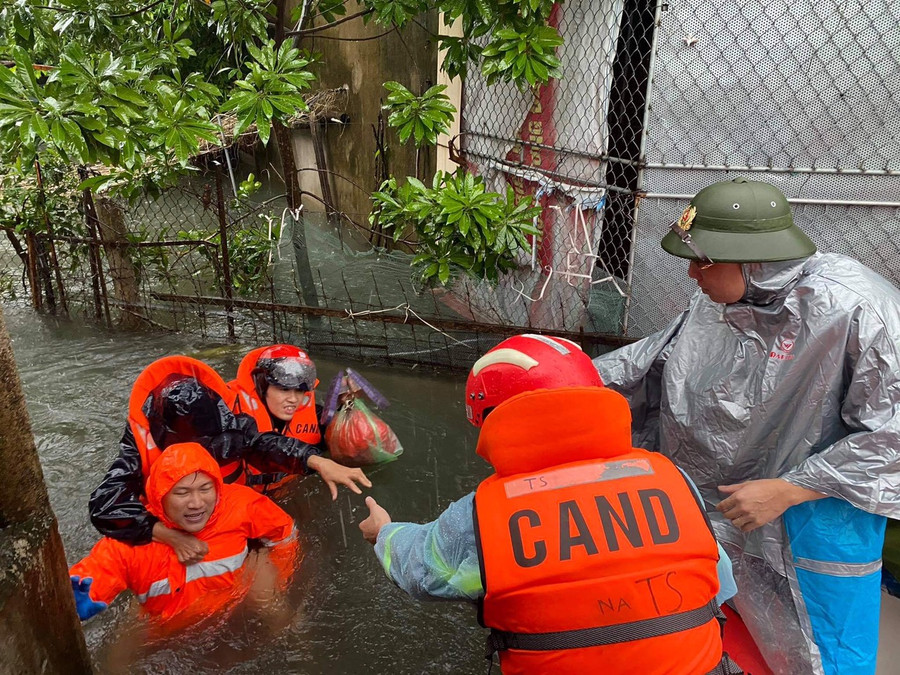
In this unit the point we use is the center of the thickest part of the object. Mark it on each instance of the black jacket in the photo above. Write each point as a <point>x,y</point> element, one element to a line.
<point>115,505</point>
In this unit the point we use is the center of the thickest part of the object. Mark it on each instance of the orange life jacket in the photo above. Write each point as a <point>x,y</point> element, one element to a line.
<point>176,595</point>
<point>147,381</point>
<point>304,425</point>
<point>600,545</point>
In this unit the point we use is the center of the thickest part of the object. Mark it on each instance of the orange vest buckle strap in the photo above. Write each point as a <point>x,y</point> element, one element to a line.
<point>602,635</point>
<point>236,472</point>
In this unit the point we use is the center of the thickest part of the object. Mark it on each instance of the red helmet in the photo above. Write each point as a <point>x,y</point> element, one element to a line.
<point>523,363</point>
<point>285,366</point>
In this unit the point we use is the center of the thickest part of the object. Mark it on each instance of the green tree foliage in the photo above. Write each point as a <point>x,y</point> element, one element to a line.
<point>422,117</point>
<point>100,82</point>
<point>271,88</point>
<point>460,226</point>
<point>140,86</point>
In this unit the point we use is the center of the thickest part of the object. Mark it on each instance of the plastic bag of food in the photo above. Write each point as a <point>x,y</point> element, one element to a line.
<point>358,437</point>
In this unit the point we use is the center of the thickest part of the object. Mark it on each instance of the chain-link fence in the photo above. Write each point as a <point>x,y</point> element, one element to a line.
<point>193,258</point>
<point>659,100</point>
<point>655,102</point>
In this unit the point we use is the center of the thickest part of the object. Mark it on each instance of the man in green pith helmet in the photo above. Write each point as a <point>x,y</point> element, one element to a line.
<point>778,391</point>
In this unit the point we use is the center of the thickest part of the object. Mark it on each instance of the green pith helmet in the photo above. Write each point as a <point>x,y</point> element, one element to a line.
<point>738,221</point>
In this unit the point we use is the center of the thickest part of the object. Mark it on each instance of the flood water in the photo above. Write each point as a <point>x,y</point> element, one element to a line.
<point>347,617</point>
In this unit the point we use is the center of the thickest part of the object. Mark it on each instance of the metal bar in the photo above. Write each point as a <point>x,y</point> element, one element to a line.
<point>318,143</point>
<point>125,244</point>
<point>94,242</point>
<point>577,153</point>
<point>796,200</point>
<point>574,182</point>
<point>223,242</point>
<point>772,169</point>
<point>42,201</point>
<point>92,255</point>
<point>443,324</point>
<point>651,64</point>
<point>37,300</point>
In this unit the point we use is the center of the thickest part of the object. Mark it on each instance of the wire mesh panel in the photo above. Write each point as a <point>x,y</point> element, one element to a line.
<point>194,259</point>
<point>574,145</point>
<point>803,95</point>
<point>655,102</point>
<point>658,101</point>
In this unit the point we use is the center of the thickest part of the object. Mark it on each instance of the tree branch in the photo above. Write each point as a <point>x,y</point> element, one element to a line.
<point>316,29</point>
<point>362,39</point>
<point>137,11</point>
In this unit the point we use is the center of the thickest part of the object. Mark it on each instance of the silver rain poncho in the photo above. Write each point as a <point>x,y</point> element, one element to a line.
<point>799,380</point>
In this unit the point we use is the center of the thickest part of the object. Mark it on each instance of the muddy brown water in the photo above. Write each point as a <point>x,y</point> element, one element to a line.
<point>346,617</point>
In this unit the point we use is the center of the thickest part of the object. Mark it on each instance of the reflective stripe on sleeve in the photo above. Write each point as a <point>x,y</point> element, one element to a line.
<point>268,543</point>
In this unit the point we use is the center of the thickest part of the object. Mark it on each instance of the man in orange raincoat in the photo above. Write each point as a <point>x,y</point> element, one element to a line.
<point>177,399</point>
<point>185,491</point>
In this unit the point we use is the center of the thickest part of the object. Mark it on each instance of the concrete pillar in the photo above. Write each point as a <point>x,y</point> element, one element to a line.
<point>39,629</point>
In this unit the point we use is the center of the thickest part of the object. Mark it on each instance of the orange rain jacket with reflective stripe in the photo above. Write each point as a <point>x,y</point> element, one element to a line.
<point>303,426</point>
<point>148,381</point>
<point>176,594</point>
<point>578,530</point>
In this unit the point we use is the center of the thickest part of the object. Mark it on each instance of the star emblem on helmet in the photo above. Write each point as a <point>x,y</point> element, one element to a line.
<point>687,218</point>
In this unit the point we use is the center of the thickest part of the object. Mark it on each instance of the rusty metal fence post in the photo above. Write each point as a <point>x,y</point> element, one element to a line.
<point>223,243</point>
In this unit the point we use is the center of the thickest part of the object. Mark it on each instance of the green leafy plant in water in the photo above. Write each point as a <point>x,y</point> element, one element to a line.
<point>421,117</point>
<point>248,187</point>
<point>250,250</point>
<point>458,225</point>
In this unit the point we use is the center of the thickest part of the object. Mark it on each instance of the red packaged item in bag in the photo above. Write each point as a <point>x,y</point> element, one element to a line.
<point>358,437</point>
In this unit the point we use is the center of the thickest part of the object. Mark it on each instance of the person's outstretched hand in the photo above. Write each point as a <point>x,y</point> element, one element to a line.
<point>335,474</point>
<point>377,519</point>
<point>187,547</point>
<point>86,607</point>
<point>757,502</point>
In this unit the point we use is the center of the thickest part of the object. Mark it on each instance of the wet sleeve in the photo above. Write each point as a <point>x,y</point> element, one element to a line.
<point>635,371</point>
<point>436,560</point>
<point>268,522</point>
<point>269,452</point>
<point>727,585</point>
<point>115,505</point>
<point>276,531</point>
<point>863,467</point>
<point>107,565</point>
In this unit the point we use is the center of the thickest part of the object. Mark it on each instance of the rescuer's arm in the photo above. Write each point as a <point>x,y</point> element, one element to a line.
<point>269,452</point>
<point>635,371</point>
<point>335,474</point>
<point>115,505</point>
<point>436,560</point>
<point>754,503</point>
<point>99,577</point>
<point>188,549</point>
